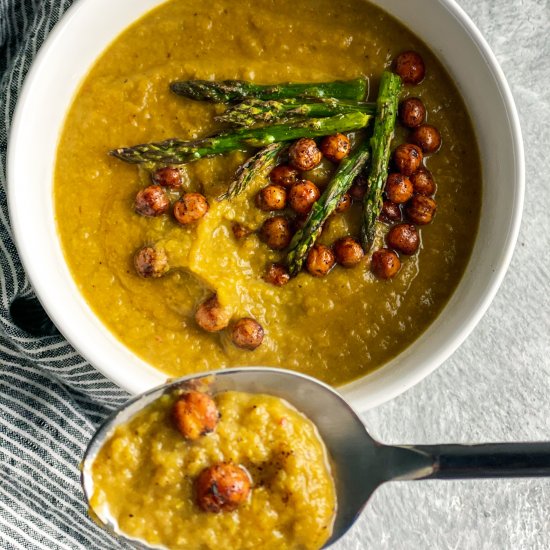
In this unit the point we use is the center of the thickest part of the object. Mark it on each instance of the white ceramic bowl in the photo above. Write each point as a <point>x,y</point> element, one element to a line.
<point>85,31</point>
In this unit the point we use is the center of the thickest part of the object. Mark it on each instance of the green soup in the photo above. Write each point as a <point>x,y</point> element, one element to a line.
<point>337,328</point>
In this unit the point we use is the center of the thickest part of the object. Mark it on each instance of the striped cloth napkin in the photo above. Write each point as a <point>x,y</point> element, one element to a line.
<point>51,400</point>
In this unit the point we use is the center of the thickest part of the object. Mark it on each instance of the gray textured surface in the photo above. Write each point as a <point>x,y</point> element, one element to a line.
<point>497,385</point>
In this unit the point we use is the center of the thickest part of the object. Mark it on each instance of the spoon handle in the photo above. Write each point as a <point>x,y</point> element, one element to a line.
<point>487,460</point>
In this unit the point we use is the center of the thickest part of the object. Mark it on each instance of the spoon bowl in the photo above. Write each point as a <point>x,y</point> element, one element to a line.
<point>359,463</point>
<point>350,447</point>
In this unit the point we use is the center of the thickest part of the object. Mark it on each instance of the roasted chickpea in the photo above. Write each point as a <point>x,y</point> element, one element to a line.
<point>423,182</point>
<point>272,197</point>
<point>348,252</point>
<point>276,232</point>
<point>190,208</point>
<point>195,414</point>
<point>247,333</point>
<point>240,231</point>
<point>320,260</point>
<point>167,177</point>
<point>284,175</point>
<point>407,158</point>
<point>404,238</point>
<point>152,201</point>
<point>344,204</point>
<point>390,212</point>
<point>335,147</point>
<point>304,154</point>
<point>385,263</point>
<point>302,196</point>
<point>398,188</point>
<point>211,315</point>
<point>412,112</point>
<point>222,487</point>
<point>151,262</point>
<point>359,187</point>
<point>420,210</point>
<point>277,274</point>
<point>410,67</point>
<point>357,192</point>
<point>427,137</point>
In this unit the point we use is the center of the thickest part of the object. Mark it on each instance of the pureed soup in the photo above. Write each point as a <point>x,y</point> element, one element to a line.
<point>233,471</point>
<point>337,327</point>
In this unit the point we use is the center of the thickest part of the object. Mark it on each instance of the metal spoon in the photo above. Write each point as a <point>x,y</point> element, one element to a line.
<point>360,464</point>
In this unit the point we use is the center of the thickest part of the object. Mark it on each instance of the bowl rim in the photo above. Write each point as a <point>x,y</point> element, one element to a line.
<point>391,388</point>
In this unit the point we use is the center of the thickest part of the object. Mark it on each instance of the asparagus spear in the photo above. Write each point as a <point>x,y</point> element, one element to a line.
<point>257,165</point>
<point>384,125</point>
<point>235,90</point>
<point>253,111</point>
<point>176,151</point>
<point>305,238</point>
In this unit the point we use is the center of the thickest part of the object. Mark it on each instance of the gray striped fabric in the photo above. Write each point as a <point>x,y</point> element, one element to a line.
<point>51,400</point>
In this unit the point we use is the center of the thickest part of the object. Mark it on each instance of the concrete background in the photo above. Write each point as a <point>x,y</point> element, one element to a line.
<point>496,387</point>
